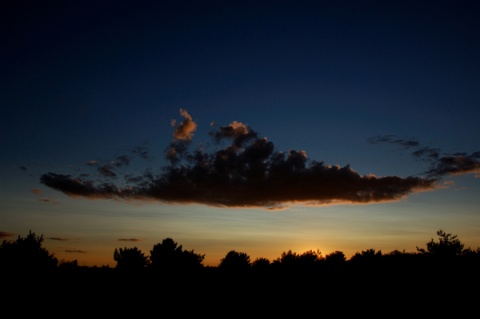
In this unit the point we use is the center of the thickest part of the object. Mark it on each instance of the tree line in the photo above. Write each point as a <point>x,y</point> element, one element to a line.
<point>27,254</point>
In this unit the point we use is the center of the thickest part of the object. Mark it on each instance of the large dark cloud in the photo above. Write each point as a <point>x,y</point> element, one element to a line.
<point>247,171</point>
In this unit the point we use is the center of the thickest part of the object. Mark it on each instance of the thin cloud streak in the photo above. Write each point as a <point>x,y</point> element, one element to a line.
<point>77,251</point>
<point>249,172</point>
<point>48,200</point>
<point>58,238</point>
<point>4,234</point>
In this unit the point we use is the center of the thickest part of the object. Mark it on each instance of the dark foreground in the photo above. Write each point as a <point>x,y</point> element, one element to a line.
<point>386,293</point>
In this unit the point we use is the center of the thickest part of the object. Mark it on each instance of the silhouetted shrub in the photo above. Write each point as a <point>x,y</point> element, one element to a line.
<point>448,245</point>
<point>335,261</point>
<point>291,261</point>
<point>26,254</point>
<point>261,265</point>
<point>235,262</point>
<point>130,259</point>
<point>168,256</point>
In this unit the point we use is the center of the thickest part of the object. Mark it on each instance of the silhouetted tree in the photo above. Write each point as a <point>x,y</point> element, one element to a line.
<point>293,262</point>
<point>366,260</point>
<point>169,256</point>
<point>286,261</point>
<point>27,254</point>
<point>399,257</point>
<point>469,252</point>
<point>309,260</point>
<point>471,259</point>
<point>448,245</point>
<point>235,262</point>
<point>68,265</point>
<point>261,264</point>
<point>130,259</point>
<point>335,261</point>
<point>165,255</point>
<point>368,255</point>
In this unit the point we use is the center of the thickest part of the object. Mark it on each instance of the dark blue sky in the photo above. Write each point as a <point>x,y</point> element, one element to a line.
<point>79,68</point>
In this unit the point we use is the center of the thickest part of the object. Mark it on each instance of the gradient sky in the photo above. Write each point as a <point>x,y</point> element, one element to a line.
<point>255,126</point>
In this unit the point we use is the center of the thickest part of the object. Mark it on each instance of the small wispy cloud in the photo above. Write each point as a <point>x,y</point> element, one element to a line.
<point>142,151</point>
<point>47,200</point>
<point>92,163</point>
<point>186,128</point>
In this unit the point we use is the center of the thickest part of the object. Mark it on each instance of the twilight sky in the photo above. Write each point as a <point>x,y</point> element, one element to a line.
<point>255,126</point>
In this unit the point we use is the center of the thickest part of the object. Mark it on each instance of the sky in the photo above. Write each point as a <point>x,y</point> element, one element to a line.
<point>256,126</point>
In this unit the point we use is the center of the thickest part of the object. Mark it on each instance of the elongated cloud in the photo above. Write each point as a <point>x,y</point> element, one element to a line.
<point>456,164</point>
<point>247,171</point>
<point>440,164</point>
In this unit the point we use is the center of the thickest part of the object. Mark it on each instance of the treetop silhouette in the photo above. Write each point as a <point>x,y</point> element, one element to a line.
<point>27,254</point>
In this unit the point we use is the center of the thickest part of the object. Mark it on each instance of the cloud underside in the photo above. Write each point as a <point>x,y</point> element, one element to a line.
<point>247,171</point>
<point>317,186</point>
